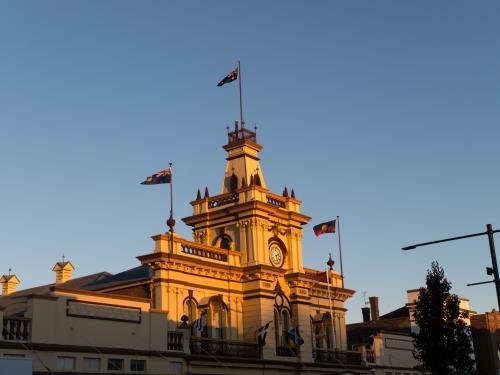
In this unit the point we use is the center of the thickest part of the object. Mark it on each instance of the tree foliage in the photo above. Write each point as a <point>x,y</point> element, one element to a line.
<point>442,341</point>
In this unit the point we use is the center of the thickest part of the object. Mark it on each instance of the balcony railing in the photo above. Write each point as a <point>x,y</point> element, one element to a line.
<point>174,341</point>
<point>370,356</point>
<point>224,348</point>
<point>337,356</point>
<point>286,351</point>
<point>16,329</point>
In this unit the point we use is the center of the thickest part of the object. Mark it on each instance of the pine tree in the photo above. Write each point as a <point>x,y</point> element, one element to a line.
<point>442,343</point>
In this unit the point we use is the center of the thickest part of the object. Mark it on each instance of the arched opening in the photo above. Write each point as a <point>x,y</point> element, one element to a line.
<point>277,331</point>
<point>317,334</point>
<point>190,310</point>
<point>285,318</point>
<point>218,319</point>
<point>224,242</point>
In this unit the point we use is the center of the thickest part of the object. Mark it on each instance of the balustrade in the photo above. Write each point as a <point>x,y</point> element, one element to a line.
<point>16,329</point>
<point>204,253</point>
<point>337,356</point>
<point>223,200</point>
<point>275,202</point>
<point>286,351</point>
<point>370,356</point>
<point>224,348</point>
<point>174,341</point>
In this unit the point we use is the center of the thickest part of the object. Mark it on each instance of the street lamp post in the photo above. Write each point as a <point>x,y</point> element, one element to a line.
<point>494,270</point>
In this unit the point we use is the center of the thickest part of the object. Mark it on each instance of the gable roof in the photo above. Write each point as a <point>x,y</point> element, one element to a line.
<point>137,274</point>
<point>16,303</point>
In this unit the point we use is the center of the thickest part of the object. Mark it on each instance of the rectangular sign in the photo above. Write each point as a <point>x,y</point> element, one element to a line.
<point>93,310</point>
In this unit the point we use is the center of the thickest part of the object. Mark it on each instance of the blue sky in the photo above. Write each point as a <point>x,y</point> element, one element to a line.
<point>385,113</point>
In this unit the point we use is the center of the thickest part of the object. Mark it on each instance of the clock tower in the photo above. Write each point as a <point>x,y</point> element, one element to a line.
<point>247,217</point>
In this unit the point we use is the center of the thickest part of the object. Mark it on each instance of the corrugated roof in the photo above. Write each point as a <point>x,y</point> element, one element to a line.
<point>132,275</point>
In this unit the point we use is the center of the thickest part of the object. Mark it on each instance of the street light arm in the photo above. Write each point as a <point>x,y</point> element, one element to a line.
<point>494,270</point>
<point>412,247</point>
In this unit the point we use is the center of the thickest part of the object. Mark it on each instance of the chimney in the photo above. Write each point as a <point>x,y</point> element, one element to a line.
<point>374,307</point>
<point>9,283</point>
<point>63,271</point>
<point>366,314</point>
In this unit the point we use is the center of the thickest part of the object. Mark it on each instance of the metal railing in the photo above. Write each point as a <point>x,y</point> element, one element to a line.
<point>241,133</point>
<point>286,351</point>
<point>16,329</point>
<point>337,356</point>
<point>224,348</point>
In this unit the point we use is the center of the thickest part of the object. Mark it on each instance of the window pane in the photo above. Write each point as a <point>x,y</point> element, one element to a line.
<point>66,363</point>
<point>91,364</point>
<point>137,365</point>
<point>115,364</point>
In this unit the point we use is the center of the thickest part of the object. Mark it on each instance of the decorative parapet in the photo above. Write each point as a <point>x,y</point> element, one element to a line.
<point>243,195</point>
<point>204,253</point>
<point>173,244</point>
<point>222,200</point>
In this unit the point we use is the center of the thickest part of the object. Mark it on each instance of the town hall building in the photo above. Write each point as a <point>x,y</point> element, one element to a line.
<point>195,306</point>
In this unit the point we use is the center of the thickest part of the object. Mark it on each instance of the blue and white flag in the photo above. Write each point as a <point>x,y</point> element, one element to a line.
<point>261,337</point>
<point>294,335</point>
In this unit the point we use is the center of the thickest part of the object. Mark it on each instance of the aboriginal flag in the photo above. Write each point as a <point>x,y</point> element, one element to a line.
<point>328,227</point>
<point>163,177</point>
<point>233,76</point>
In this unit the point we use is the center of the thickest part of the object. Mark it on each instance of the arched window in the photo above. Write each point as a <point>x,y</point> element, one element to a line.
<point>285,319</point>
<point>277,330</point>
<point>225,243</point>
<point>327,335</point>
<point>233,182</point>
<point>190,309</point>
<point>218,318</point>
<point>317,337</point>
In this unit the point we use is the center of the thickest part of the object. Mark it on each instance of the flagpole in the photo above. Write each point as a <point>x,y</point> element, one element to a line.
<point>241,96</point>
<point>330,302</point>
<point>171,221</point>
<point>340,252</point>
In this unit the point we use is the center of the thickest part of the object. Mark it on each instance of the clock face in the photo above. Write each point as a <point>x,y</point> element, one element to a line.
<point>276,255</point>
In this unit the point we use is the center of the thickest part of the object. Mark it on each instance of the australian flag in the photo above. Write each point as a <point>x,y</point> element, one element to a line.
<point>294,336</point>
<point>163,177</point>
<point>233,76</point>
<point>261,337</point>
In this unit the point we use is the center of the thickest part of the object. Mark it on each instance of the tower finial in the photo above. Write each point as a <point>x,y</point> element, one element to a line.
<point>63,258</point>
<point>330,262</point>
<point>10,270</point>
